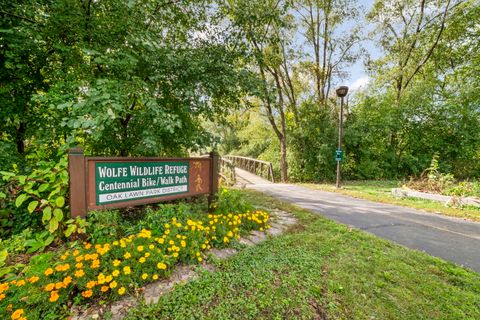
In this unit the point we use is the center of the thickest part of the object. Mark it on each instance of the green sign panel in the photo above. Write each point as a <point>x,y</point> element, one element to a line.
<point>127,181</point>
<point>338,155</point>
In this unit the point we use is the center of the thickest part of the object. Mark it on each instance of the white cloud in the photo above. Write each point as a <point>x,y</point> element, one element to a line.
<point>360,83</point>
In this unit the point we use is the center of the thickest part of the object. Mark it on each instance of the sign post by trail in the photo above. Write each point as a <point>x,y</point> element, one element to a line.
<point>110,182</point>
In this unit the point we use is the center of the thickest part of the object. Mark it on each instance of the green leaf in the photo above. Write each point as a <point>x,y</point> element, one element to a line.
<point>32,206</point>
<point>70,229</point>
<point>2,195</point>
<point>60,201</point>
<point>20,199</point>
<point>47,214</point>
<point>58,214</point>
<point>43,187</point>
<point>22,179</point>
<point>3,257</point>
<point>53,225</point>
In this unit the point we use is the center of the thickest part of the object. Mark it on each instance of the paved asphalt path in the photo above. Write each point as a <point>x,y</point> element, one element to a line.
<point>452,239</point>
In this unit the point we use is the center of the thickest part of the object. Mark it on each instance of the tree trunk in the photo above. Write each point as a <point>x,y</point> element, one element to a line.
<point>20,138</point>
<point>283,160</point>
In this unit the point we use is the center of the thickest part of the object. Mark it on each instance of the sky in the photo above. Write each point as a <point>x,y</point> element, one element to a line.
<point>358,76</point>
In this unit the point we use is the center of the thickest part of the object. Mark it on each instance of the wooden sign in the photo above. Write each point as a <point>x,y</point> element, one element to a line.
<point>102,182</point>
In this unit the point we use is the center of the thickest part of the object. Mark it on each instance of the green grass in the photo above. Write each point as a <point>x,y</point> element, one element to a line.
<point>380,191</point>
<point>323,270</point>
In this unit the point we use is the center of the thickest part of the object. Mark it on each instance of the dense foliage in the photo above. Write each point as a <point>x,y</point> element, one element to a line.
<point>420,102</point>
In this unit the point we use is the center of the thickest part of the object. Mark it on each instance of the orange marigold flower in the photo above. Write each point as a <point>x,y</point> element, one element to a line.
<point>87,293</point>
<point>3,287</point>
<point>79,265</point>
<point>91,284</point>
<point>67,280</point>
<point>79,258</point>
<point>59,285</point>
<point>20,283</point>
<point>2,296</point>
<point>76,253</point>
<point>87,245</point>
<point>50,287</point>
<point>54,296</point>
<point>115,273</point>
<point>79,273</point>
<point>33,279</point>
<point>116,263</point>
<point>113,284</point>
<point>104,288</point>
<point>17,314</point>
<point>48,272</point>
<point>95,264</point>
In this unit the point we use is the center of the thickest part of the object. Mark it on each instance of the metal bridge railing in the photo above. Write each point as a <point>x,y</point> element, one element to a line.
<point>227,171</point>
<point>260,168</point>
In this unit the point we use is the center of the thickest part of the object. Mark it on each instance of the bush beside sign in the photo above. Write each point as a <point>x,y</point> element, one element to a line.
<point>101,182</point>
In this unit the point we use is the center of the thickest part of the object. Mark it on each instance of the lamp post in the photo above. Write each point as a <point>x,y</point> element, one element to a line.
<point>341,93</point>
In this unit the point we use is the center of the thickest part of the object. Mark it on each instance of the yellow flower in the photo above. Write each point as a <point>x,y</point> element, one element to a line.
<point>20,283</point>
<point>2,296</point>
<point>121,291</point>
<point>48,272</point>
<point>79,273</point>
<point>87,245</point>
<point>91,284</point>
<point>155,277</point>
<point>147,254</point>
<point>104,288</point>
<point>151,247</point>
<point>79,265</point>
<point>108,278</point>
<point>225,239</point>
<point>76,253</point>
<point>87,293</point>
<point>175,254</point>
<point>17,314</point>
<point>113,284</point>
<point>79,258</point>
<point>54,296</point>
<point>141,260</point>
<point>116,263</point>
<point>183,243</point>
<point>95,264</point>
<point>59,285</point>
<point>199,259</point>
<point>127,255</point>
<point>126,270</point>
<point>161,240</point>
<point>67,280</point>
<point>115,273</point>
<point>115,243</point>
<point>161,266</point>
<point>144,276</point>
<point>50,287</point>
<point>230,234</point>
<point>140,248</point>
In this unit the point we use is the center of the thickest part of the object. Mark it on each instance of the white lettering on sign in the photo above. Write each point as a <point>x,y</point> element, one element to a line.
<point>132,195</point>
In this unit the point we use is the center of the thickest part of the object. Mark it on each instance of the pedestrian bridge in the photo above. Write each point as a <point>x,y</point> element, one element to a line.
<point>245,170</point>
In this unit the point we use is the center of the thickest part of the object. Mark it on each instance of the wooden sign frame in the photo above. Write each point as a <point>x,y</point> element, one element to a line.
<point>191,177</point>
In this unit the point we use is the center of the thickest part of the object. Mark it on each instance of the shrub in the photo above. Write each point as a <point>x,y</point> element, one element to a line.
<point>114,268</point>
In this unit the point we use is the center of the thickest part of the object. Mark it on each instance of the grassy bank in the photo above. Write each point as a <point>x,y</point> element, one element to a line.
<point>380,191</point>
<point>323,270</point>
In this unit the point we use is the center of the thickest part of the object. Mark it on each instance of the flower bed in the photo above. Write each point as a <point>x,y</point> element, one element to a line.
<point>106,271</point>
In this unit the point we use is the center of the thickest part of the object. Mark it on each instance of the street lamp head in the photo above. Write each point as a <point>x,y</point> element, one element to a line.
<point>342,91</point>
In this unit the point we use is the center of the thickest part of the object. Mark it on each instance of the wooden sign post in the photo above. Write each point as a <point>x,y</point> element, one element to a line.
<point>110,182</point>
